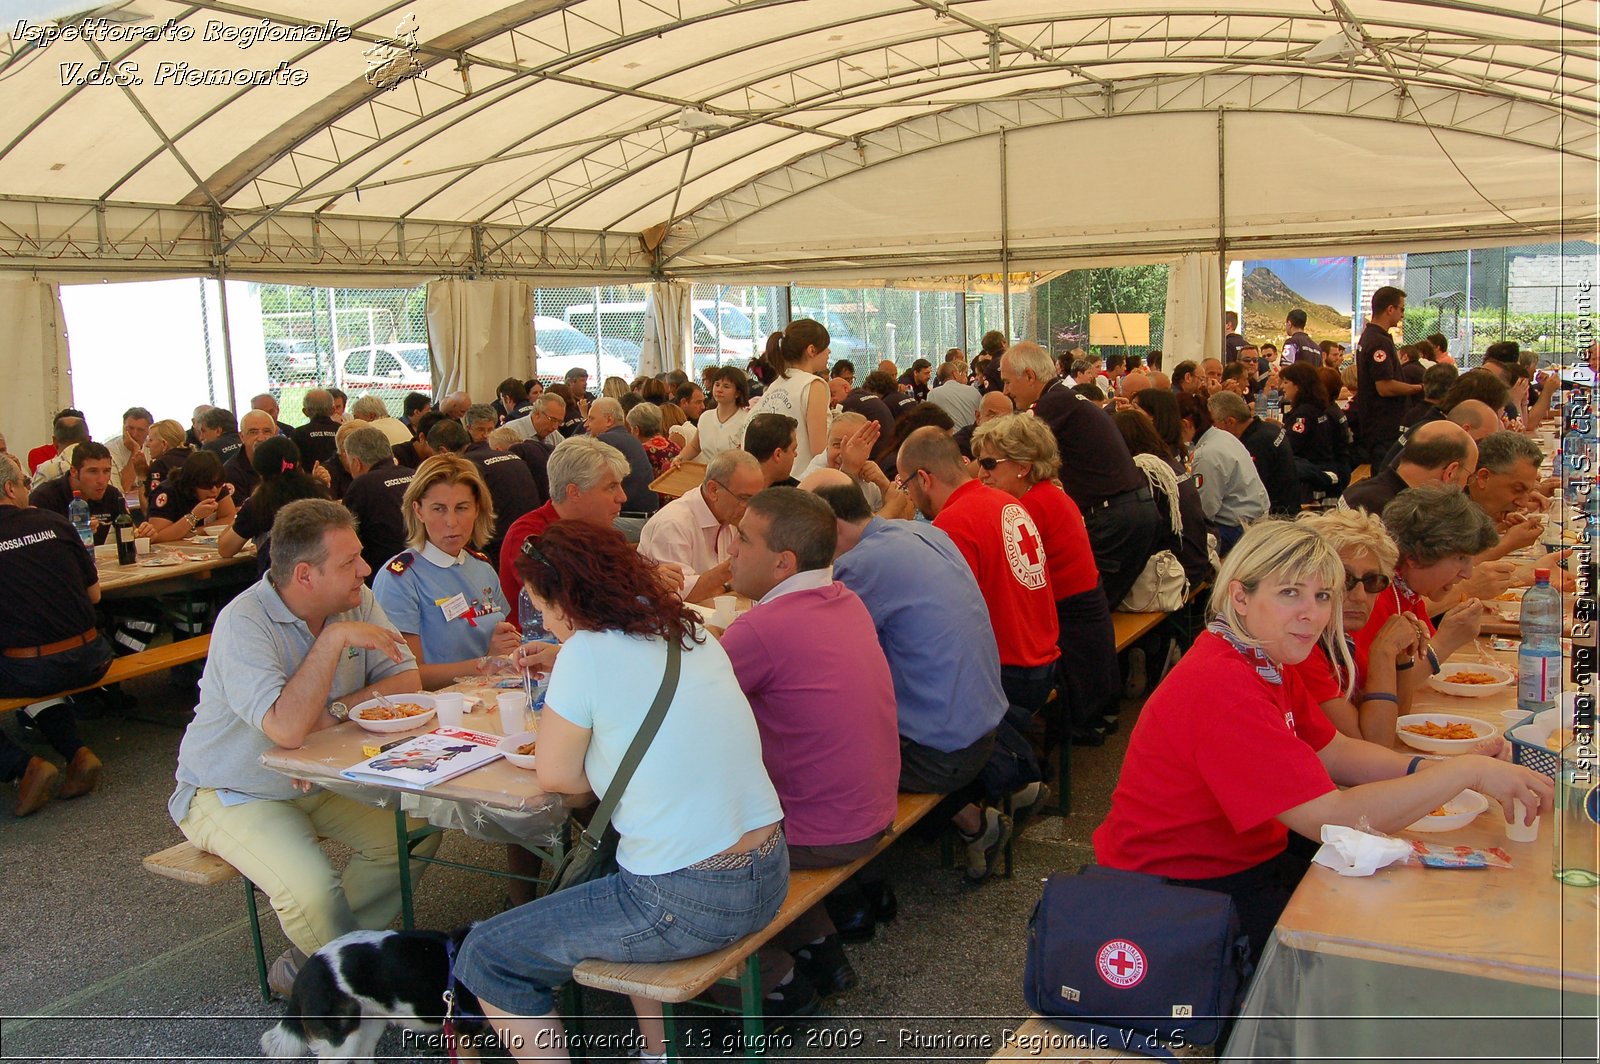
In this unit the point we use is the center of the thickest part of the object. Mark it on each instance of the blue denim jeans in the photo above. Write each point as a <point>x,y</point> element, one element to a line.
<point>517,960</point>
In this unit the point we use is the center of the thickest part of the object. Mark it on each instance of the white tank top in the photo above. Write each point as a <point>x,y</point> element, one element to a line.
<point>786,395</point>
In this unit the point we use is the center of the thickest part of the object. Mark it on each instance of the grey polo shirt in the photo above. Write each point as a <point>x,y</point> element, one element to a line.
<point>257,645</point>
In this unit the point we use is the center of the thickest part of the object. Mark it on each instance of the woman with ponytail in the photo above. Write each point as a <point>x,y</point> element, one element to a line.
<point>796,356</point>
<point>277,461</point>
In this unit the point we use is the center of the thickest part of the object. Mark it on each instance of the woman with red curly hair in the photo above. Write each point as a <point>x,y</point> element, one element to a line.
<point>702,856</point>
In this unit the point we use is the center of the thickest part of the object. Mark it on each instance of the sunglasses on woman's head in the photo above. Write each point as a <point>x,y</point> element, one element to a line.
<point>1372,582</point>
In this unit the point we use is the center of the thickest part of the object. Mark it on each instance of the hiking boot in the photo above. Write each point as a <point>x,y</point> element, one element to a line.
<point>280,977</point>
<point>82,774</point>
<point>984,848</point>
<point>34,788</point>
<point>824,965</point>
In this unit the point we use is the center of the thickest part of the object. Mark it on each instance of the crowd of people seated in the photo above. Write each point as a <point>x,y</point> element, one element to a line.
<point>950,541</point>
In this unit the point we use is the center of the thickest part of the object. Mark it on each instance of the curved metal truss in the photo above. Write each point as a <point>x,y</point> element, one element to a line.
<point>575,113</point>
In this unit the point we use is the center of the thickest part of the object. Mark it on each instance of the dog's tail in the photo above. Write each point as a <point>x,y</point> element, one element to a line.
<point>285,1041</point>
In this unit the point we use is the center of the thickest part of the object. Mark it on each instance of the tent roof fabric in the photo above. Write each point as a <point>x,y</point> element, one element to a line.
<point>770,138</point>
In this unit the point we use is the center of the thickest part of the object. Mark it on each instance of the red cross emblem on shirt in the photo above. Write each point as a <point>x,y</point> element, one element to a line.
<point>1122,962</point>
<point>1030,545</point>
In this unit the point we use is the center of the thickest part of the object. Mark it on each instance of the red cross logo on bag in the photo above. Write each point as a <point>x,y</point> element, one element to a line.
<point>1121,963</point>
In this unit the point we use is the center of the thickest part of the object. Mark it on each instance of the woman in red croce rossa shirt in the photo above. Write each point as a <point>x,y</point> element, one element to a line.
<point>1230,754</point>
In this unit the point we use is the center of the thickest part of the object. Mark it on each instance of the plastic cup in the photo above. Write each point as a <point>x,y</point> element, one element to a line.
<point>1517,831</point>
<point>725,605</point>
<point>142,545</point>
<point>513,711</point>
<point>451,706</point>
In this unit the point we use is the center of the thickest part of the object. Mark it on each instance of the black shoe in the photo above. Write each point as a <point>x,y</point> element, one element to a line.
<point>851,913</point>
<point>795,998</point>
<point>885,906</point>
<point>1088,737</point>
<point>825,966</point>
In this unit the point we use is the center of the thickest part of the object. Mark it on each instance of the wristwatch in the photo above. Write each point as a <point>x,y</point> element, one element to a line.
<point>339,711</point>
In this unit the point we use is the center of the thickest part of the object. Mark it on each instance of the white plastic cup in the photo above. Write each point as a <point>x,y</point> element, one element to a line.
<point>141,546</point>
<point>725,605</point>
<point>1517,831</point>
<point>513,711</point>
<point>451,707</point>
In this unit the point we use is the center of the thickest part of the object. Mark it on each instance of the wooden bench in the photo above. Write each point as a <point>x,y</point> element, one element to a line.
<point>675,982</point>
<point>187,863</point>
<point>1131,627</point>
<point>1039,1039</point>
<point>130,667</point>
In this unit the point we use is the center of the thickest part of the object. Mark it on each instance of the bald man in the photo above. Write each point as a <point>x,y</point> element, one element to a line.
<point>1439,452</point>
<point>1477,417</point>
<point>992,405</point>
<point>455,405</point>
<point>265,401</point>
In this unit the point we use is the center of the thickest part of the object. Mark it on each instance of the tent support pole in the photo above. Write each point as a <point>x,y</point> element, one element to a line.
<point>227,338</point>
<point>1005,240</point>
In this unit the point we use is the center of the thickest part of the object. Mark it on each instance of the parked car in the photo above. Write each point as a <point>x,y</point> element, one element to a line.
<point>722,332</point>
<point>842,341</point>
<point>292,359</point>
<point>386,366</point>
<point>560,347</point>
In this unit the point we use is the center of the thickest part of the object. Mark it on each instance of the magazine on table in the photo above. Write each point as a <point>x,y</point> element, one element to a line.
<point>425,760</point>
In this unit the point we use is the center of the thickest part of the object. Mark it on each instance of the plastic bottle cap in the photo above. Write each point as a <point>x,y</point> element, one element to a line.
<point>1541,576</point>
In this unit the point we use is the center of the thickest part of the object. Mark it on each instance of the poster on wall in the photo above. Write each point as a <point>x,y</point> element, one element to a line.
<point>1374,272</point>
<point>1320,287</point>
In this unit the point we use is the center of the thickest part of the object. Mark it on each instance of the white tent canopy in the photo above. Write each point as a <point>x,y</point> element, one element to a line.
<point>771,139</point>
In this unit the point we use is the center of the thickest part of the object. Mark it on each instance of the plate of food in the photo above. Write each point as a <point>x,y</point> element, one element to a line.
<point>519,748</point>
<point>403,713</point>
<point>1443,733</point>
<point>1458,812</point>
<point>1471,680</point>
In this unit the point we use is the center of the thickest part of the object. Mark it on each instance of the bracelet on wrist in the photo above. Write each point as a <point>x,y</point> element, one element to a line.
<point>1402,666</point>
<point>1379,696</point>
<point>1415,761</point>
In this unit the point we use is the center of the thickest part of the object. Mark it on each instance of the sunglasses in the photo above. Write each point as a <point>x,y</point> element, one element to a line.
<point>535,553</point>
<point>988,464</point>
<point>1372,582</point>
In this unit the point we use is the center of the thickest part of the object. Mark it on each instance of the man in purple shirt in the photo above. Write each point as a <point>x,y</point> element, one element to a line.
<point>829,731</point>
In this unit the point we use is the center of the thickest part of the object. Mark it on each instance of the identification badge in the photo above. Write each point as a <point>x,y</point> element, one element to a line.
<point>454,606</point>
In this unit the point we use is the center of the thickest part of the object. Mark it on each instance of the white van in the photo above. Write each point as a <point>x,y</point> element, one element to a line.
<point>723,333</point>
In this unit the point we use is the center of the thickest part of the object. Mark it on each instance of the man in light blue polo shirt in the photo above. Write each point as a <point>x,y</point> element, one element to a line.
<point>935,632</point>
<point>307,634</point>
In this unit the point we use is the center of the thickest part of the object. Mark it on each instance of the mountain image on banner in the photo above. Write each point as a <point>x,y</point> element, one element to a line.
<point>1268,300</point>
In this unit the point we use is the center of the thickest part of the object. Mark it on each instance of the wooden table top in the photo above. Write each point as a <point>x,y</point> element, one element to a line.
<point>500,784</point>
<point>179,559</point>
<point>1518,925</point>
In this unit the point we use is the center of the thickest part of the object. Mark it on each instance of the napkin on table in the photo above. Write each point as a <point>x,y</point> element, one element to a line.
<point>1353,852</point>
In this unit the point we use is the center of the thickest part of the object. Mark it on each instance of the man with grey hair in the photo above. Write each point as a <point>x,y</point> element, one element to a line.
<point>543,421</point>
<point>316,437</point>
<point>1096,468</point>
<point>373,411</point>
<point>129,461</point>
<point>255,426</point>
<point>695,531</point>
<point>1503,485</point>
<point>267,402</point>
<point>218,431</point>
<point>479,420</point>
<point>605,421</point>
<point>1268,444</point>
<point>954,395</point>
<point>286,656</point>
<point>368,408</point>
<point>376,494</point>
<point>455,405</point>
<point>585,485</point>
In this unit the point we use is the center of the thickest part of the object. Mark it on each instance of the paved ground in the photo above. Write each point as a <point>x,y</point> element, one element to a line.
<point>104,961</point>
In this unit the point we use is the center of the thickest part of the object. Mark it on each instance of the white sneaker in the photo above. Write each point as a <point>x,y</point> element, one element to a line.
<point>280,977</point>
<point>984,849</point>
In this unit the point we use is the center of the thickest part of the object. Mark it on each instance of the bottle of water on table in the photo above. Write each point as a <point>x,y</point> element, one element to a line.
<point>533,631</point>
<point>78,512</point>
<point>1539,657</point>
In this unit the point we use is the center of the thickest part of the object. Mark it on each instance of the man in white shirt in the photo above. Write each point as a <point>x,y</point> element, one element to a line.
<point>543,422</point>
<point>128,459</point>
<point>954,395</point>
<point>695,531</point>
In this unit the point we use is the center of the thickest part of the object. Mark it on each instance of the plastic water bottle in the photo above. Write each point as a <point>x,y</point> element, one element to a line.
<point>1270,408</point>
<point>533,631</point>
<point>1539,658</point>
<point>1576,856</point>
<point>78,511</point>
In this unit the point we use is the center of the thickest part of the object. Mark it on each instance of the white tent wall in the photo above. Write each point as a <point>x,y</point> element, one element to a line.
<point>1194,309</point>
<point>480,332</point>
<point>33,330</point>
<point>666,328</point>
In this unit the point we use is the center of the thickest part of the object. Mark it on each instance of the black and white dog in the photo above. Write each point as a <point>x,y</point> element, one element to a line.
<point>354,987</point>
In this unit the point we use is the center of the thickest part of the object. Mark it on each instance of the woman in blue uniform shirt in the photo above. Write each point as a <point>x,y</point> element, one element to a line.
<point>442,594</point>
